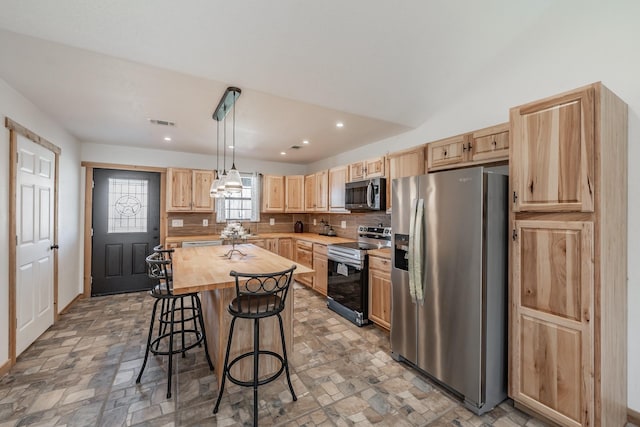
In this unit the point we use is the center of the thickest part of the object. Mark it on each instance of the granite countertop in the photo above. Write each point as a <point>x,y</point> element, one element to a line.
<point>310,237</point>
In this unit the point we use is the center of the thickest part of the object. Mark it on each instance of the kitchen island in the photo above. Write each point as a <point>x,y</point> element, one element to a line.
<point>205,269</point>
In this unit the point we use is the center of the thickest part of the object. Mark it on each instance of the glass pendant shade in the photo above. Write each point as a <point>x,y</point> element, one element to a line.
<point>233,184</point>
<point>213,191</point>
<point>221,183</point>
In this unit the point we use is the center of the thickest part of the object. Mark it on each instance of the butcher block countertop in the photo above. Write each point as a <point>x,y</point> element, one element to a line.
<point>310,237</point>
<point>382,253</point>
<point>204,268</point>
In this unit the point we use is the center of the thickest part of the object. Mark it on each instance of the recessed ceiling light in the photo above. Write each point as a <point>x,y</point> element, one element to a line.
<point>231,147</point>
<point>283,153</point>
<point>339,124</point>
<point>306,141</point>
<point>167,138</point>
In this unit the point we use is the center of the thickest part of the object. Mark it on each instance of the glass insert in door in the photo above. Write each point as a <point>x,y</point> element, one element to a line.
<point>128,205</point>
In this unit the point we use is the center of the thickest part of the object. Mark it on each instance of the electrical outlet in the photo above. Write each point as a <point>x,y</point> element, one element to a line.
<point>315,222</point>
<point>205,222</point>
<point>343,224</point>
<point>272,221</point>
<point>176,223</point>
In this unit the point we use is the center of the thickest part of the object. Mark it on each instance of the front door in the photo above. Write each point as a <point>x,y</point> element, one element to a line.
<point>126,227</point>
<point>34,250</point>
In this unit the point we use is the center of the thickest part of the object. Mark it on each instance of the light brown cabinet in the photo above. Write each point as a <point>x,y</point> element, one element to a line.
<point>273,193</point>
<point>320,265</point>
<point>294,193</point>
<point>188,190</point>
<point>304,256</point>
<point>316,192</point>
<point>371,168</point>
<point>380,291</point>
<point>481,146</point>
<point>338,177</point>
<point>404,163</point>
<point>285,247</point>
<point>568,287</point>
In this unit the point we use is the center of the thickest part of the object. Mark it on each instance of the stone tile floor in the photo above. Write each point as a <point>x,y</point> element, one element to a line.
<point>82,372</point>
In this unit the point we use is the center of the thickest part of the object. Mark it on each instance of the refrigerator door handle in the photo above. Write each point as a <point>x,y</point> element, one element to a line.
<point>411,251</point>
<point>418,252</point>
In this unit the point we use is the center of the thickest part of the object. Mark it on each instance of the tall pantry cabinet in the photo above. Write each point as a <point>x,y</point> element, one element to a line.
<point>568,309</point>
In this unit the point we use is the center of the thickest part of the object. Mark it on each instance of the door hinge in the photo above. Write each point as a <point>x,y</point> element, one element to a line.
<point>93,184</point>
<point>91,232</point>
<point>514,235</point>
<point>515,197</point>
<point>91,279</point>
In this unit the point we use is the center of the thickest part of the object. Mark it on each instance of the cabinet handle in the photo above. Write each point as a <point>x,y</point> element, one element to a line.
<point>469,147</point>
<point>445,153</point>
<point>514,235</point>
<point>494,143</point>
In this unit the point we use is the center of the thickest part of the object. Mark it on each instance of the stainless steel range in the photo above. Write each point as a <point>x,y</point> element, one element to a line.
<point>348,286</point>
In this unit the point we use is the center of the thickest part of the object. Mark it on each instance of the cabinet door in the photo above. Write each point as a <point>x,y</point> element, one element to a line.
<point>552,157</point>
<point>407,163</point>
<point>202,201</point>
<point>338,177</point>
<point>273,197</point>
<point>374,168</point>
<point>491,143</point>
<point>285,247</point>
<point>380,292</point>
<point>304,256</point>
<point>271,245</point>
<point>179,183</point>
<point>294,189</point>
<point>322,191</point>
<point>446,152</point>
<point>320,265</point>
<point>310,193</point>
<point>357,171</point>
<point>552,336</point>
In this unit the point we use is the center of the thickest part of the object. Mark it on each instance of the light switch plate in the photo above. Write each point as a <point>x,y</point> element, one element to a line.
<point>343,224</point>
<point>177,223</point>
<point>272,221</point>
<point>205,222</point>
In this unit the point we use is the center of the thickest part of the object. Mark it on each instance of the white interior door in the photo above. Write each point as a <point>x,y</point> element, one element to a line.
<point>34,255</point>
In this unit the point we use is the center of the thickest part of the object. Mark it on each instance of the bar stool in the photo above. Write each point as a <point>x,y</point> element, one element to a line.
<point>174,315</point>
<point>258,296</point>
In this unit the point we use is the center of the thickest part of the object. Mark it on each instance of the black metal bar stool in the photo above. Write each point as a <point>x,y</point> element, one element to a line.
<point>258,296</point>
<point>174,316</point>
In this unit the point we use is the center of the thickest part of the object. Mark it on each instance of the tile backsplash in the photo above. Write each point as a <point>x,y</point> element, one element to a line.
<point>283,223</point>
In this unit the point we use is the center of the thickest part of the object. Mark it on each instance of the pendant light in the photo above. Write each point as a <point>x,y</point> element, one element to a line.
<point>213,191</point>
<point>223,178</point>
<point>233,184</point>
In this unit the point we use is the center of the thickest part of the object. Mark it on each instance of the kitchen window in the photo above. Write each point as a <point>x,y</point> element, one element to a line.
<point>243,206</point>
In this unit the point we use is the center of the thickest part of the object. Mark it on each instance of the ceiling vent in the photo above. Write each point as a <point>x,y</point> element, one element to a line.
<point>161,122</point>
<point>295,147</point>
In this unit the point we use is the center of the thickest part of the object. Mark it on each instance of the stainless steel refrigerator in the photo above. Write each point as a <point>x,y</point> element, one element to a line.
<point>448,281</point>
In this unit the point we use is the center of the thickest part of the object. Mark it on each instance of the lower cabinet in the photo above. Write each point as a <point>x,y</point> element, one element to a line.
<point>380,291</point>
<point>320,265</point>
<point>304,256</point>
<point>285,247</point>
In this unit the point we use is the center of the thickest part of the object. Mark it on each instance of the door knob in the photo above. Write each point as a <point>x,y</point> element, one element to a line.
<point>54,247</point>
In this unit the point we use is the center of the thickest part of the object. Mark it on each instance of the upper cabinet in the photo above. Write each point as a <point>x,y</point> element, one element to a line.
<point>404,163</point>
<point>554,154</point>
<point>273,193</point>
<point>188,190</point>
<point>338,177</point>
<point>485,145</point>
<point>366,169</point>
<point>316,192</point>
<point>294,193</point>
<point>282,193</point>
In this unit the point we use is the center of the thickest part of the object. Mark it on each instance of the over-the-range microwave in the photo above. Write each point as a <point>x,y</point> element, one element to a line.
<point>369,195</point>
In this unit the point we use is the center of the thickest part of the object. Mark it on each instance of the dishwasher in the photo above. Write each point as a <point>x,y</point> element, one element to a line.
<point>191,244</point>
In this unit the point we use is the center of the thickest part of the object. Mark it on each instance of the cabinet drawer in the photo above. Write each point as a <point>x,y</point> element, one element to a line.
<point>376,263</point>
<point>319,249</point>
<point>304,257</point>
<point>303,244</point>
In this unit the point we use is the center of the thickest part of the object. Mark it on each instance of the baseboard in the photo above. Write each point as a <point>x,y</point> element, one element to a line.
<point>73,301</point>
<point>633,417</point>
<point>4,368</point>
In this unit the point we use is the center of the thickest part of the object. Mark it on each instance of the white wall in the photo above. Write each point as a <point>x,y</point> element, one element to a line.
<point>576,43</point>
<point>21,110</point>
<point>102,153</point>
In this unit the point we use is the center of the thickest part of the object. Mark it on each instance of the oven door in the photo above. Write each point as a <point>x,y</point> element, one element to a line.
<point>347,285</point>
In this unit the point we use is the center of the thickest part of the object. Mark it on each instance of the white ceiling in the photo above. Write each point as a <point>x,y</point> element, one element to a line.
<point>101,69</point>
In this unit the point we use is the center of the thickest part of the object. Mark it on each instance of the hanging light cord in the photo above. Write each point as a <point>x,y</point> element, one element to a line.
<point>217,148</point>
<point>224,156</point>
<point>234,131</point>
